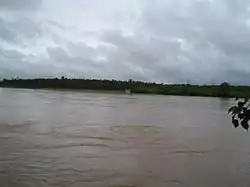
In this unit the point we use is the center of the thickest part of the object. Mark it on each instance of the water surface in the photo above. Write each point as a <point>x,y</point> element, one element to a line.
<point>75,139</point>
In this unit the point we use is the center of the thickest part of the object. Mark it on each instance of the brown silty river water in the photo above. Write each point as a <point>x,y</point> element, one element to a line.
<point>84,139</point>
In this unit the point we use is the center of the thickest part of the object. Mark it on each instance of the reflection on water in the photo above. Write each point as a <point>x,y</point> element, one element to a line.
<point>74,139</point>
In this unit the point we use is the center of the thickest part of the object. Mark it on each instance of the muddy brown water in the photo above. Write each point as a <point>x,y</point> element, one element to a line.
<point>85,139</point>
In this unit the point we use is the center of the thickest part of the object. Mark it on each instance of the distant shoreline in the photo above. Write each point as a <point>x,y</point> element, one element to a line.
<point>135,87</point>
<point>69,90</point>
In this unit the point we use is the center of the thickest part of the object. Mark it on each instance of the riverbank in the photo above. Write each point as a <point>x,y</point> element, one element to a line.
<point>223,90</point>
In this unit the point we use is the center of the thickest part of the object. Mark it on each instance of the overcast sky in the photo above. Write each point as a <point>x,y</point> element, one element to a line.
<point>170,41</point>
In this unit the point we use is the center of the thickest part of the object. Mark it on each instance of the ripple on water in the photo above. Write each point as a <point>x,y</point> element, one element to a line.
<point>49,147</point>
<point>74,139</point>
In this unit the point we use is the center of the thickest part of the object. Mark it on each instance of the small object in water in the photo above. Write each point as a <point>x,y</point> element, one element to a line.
<point>127,91</point>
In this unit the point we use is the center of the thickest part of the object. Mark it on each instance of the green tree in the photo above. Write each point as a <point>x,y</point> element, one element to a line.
<point>224,90</point>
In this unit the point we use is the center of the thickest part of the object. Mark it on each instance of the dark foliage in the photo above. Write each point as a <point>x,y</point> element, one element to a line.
<point>223,90</point>
<point>240,113</point>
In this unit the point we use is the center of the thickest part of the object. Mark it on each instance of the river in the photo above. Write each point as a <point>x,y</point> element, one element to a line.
<point>76,139</point>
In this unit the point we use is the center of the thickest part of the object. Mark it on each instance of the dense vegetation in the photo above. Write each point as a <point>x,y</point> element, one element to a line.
<point>223,90</point>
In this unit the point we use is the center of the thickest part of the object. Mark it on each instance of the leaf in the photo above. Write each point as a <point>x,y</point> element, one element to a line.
<point>237,110</point>
<point>240,104</point>
<point>241,116</point>
<point>231,109</point>
<point>247,114</point>
<point>244,124</point>
<point>235,123</point>
<point>233,117</point>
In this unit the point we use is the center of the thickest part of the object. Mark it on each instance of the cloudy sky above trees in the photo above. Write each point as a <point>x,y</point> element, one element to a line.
<point>171,41</point>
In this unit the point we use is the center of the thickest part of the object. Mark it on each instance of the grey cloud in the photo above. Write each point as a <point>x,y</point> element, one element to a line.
<point>81,49</point>
<point>156,59</point>
<point>5,33</point>
<point>238,77</point>
<point>197,41</point>
<point>81,65</point>
<point>11,63</point>
<point>26,27</point>
<point>15,30</point>
<point>58,54</point>
<point>12,54</point>
<point>202,27</point>
<point>25,5</point>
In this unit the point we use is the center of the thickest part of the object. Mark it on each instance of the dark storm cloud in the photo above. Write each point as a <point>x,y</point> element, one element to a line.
<point>216,33</point>
<point>196,41</point>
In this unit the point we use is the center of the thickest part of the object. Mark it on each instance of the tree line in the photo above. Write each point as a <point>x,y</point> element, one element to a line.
<point>222,90</point>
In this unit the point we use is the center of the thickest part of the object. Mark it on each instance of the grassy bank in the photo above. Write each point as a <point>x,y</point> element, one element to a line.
<point>223,90</point>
